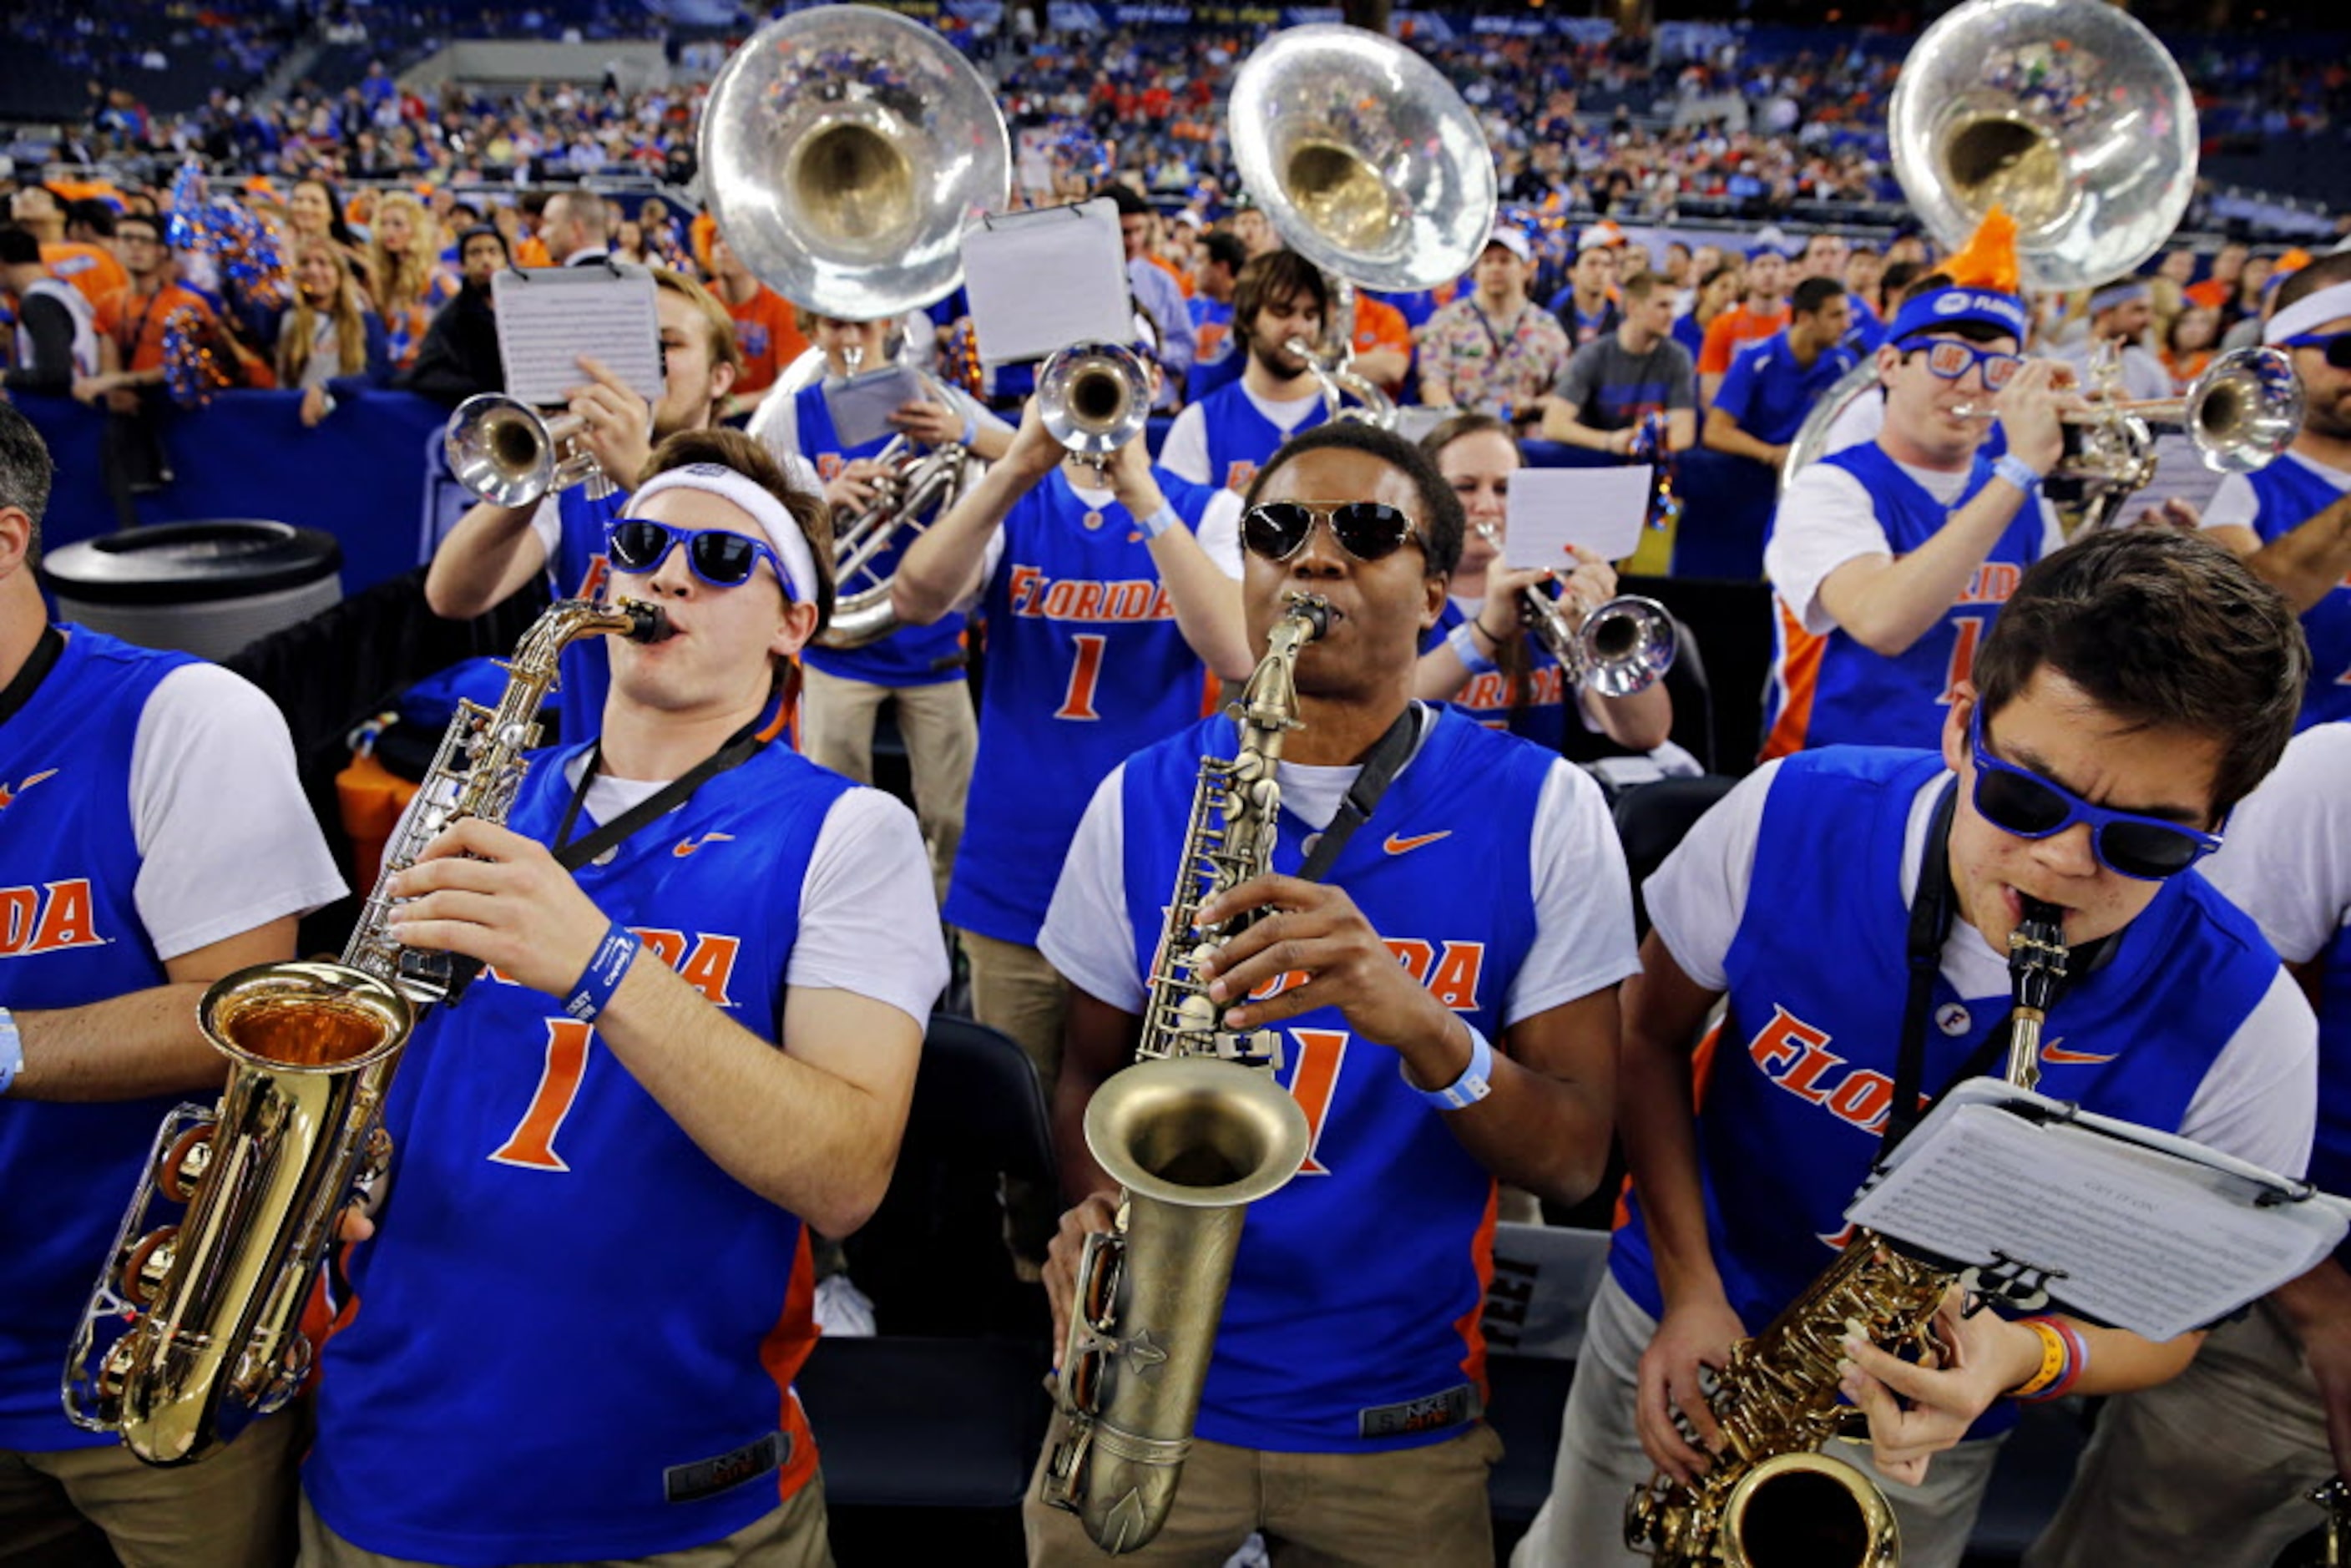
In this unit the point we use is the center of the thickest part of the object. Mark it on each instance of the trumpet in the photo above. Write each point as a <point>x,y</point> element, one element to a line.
<point>1094,399</point>
<point>1620,647</point>
<point>510,454</point>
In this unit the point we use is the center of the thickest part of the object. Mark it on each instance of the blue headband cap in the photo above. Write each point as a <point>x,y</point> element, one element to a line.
<point>1948,307</point>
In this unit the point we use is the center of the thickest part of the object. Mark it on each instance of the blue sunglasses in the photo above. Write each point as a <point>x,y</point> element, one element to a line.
<point>2017,802</point>
<point>2335,346</point>
<point>720,558</point>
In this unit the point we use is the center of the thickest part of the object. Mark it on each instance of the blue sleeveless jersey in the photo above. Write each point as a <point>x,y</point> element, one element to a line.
<point>580,570</point>
<point>1085,665</point>
<point>70,936</point>
<point>2290,495</point>
<point>1240,438</point>
<point>575,1336</point>
<point>1487,698</point>
<point>1351,1321</point>
<point>1799,1078</point>
<point>1830,690</point>
<point>912,655</point>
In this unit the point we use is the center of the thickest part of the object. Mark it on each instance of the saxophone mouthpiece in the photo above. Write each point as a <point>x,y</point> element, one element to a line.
<point>648,624</point>
<point>1316,611</point>
<point>2037,954</point>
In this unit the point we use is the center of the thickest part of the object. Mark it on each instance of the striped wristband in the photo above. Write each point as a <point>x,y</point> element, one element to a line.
<point>1463,641</point>
<point>1160,521</point>
<point>2064,1357</point>
<point>592,992</point>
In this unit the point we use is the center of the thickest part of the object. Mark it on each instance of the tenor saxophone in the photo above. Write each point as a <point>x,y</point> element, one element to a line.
<point>1771,1497</point>
<point>193,1329</point>
<point>1194,1132</point>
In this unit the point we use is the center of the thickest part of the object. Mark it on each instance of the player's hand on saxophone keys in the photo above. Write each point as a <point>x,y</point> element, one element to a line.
<point>1916,1409</point>
<point>1099,1212</point>
<point>1692,1338</point>
<point>490,893</point>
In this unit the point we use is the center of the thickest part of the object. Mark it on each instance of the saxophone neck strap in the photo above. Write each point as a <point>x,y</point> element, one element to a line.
<point>738,749</point>
<point>1932,908</point>
<point>1387,757</point>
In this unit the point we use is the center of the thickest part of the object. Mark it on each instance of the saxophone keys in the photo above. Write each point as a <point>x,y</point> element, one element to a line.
<point>184,1163</point>
<point>147,1264</point>
<point>1195,1014</point>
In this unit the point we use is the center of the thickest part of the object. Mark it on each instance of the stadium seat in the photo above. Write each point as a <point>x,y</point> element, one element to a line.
<point>1651,820</point>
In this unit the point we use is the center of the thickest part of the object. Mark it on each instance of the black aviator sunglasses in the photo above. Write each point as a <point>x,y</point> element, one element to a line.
<point>1368,530</point>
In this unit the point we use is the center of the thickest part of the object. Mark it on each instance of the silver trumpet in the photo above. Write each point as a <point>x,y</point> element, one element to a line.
<point>1094,399</point>
<point>510,454</point>
<point>1624,646</point>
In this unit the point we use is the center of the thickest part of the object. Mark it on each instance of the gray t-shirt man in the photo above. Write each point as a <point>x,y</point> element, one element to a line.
<point>1609,389</point>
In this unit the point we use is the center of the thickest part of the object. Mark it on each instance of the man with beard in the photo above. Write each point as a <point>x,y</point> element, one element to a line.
<point>1222,438</point>
<point>2292,520</point>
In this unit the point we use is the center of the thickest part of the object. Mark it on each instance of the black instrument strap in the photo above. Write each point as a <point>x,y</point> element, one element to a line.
<point>1380,769</point>
<point>737,750</point>
<point>1931,910</point>
<point>36,667</point>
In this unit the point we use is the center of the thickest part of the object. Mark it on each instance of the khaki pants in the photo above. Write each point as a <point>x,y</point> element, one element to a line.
<point>2209,1470</point>
<point>942,738</point>
<point>233,1511</point>
<point>1426,1507</point>
<point>792,1536</point>
<point>1601,1462</point>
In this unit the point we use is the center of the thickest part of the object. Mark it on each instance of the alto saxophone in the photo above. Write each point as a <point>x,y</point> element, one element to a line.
<point>1770,1495</point>
<point>189,1322</point>
<point>1194,1132</point>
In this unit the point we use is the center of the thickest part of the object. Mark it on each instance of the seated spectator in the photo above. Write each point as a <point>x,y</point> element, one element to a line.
<point>1616,382</point>
<point>132,325</point>
<point>1763,312</point>
<point>2189,344</point>
<point>766,328</point>
<point>2120,314</point>
<point>328,343</point>
<point>460,355</point>
<point>87,266</point>
<point>1773,385</point>
<point>314,210</point>
<point>1495,350</point>
<point>406,282</point>
<point>57,330</point>
<point>1718,290</point>
<point>1587,308</point>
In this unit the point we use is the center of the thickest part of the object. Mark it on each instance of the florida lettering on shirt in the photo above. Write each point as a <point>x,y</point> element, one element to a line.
<point>48,919</point>
<point>1795,1056</point>
<point>1135,599</point>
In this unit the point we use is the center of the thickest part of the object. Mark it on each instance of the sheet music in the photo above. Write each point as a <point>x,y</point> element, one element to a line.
<point>549,316</point>
<point>2179,476</point>
<point>862,405</point>
<point>1601,509</point>
<point>1041,281</point>
<point>2145,1240</point>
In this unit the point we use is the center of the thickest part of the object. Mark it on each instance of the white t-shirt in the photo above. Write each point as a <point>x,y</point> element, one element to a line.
<point>2286,857</point>
<point>1186,455</point>
<point>1827,518</point>
<point>2234,504</point>
<point>869,921</point>
<point>227,842</point>
<point>1583,905</point>
<point>2255,1103</point>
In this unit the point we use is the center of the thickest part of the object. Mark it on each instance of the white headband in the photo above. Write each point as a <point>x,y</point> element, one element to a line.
<point>791,545</point>
<point>2308,312</point>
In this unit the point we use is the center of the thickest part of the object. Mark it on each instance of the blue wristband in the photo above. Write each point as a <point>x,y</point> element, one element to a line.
<point>592,992</point>
<point>970,429</point>
<point>12,1051</point>
<point>1474,1084</point>
<point>1463,641</point>
<point>2017,472</point>
<point>1160,521</point>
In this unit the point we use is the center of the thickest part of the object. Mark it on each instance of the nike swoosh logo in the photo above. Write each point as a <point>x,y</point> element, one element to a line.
<point>1398,844</point>
<point>687,846</point>
<point>8,796</point>
<point>2063,1058</point>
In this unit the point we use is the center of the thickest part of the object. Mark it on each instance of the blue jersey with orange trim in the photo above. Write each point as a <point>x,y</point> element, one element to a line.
<point>1487,698</point>
<point>1800,1076</point>
<point>575,1336</point>
<point>2290,495</point>
<point>1085,665</point>
<point>911,656</point>
<point>71,936</point>
<point>1351,1324</point>
<point>1830,690</point>
<point>1240,438</point>
<point>579,571</point>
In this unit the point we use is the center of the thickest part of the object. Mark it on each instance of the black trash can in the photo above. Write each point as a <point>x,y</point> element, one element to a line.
<point>202,588</point>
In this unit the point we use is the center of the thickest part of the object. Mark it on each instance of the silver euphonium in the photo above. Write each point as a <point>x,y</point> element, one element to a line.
<point>1369,165</point>
<point>1094,398</point>
<point>194,1328</point>
<point>511,455</point>
<point>1193,1133</point>
<point>1618,648</point>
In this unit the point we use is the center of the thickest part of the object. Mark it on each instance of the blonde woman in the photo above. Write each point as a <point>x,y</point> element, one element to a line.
<point>328,342</point>
<point>406,278</point>
<point>314,208</point>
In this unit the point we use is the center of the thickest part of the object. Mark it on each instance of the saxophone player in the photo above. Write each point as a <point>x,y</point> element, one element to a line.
<point>1341,1411</point>
<point>575,1333</point>
<point>2136,685</point>
<point>131,881</point>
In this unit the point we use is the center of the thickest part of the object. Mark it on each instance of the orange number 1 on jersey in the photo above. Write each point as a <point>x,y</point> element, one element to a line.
<point>1085,677</point>
<point>532,1142</point>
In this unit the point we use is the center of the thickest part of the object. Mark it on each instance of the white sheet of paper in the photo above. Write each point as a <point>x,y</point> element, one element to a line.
<point>2179,475</point>
<point>1042,281</point>
<point>1601,509</point>
<point>549,316</point>
<point>2149,1240</point>
<point>861,406</point>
